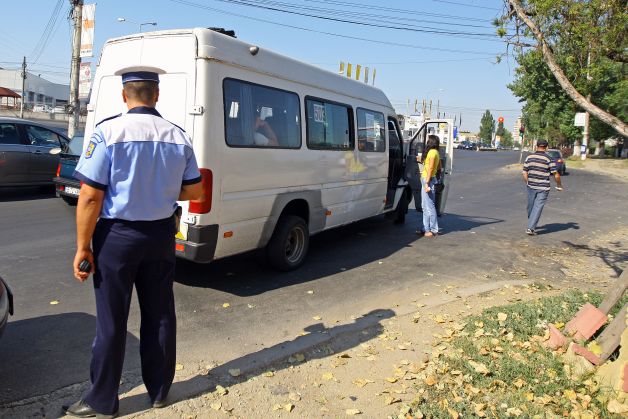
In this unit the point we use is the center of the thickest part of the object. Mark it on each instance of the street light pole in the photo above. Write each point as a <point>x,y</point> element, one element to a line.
<point>122,20</point>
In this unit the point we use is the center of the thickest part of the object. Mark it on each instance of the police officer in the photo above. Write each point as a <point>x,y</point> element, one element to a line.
<point>134,169</point>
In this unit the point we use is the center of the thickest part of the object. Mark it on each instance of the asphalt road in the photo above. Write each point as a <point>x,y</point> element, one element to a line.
<point>350,271</point>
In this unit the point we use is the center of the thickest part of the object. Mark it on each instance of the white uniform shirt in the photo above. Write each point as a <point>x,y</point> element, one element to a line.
<point>141,161</point>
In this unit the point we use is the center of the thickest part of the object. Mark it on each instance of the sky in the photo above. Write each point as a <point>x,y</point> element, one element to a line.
<point>439,50</point>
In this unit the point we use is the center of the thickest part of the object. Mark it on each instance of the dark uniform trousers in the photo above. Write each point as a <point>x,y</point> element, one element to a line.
<point>128,253</point>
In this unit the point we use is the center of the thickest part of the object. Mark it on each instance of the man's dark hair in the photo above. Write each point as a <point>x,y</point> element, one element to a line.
<point>142,91</point>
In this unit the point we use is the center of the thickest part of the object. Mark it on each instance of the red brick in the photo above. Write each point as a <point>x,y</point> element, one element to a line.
<point>556,339</point>
<point>586,354</point>
<point>586,322</point>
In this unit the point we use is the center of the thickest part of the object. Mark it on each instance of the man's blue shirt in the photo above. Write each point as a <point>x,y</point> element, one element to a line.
<point>141,161</point>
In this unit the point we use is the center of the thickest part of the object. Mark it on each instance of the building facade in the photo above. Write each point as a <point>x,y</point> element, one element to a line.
<point>38,91</point>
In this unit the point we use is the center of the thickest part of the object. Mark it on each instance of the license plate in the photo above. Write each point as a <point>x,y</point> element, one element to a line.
<point>72,191</point>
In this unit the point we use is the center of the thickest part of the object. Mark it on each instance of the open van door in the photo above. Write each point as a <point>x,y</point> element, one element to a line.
<point>444,129</point>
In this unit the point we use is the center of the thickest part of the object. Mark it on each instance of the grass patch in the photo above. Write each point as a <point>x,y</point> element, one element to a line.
<point>496,366</point>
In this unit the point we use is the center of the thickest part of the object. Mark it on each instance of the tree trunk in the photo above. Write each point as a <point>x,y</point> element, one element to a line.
<point>611,120</point>
<point>576,148</point>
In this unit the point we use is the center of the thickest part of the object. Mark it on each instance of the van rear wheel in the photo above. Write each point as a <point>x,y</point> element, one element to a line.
<point>288,246</point>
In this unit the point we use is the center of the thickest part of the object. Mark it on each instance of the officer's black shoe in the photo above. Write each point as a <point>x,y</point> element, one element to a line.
<point>81,409</point>
<point>160,404</point>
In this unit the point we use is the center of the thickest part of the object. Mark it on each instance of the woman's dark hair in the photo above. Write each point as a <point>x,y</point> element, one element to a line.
<point>433,142</point>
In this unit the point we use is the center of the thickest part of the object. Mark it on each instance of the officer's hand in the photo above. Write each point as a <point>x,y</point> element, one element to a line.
<point>83,254</point>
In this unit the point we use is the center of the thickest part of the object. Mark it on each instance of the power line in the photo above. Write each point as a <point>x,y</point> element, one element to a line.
<point>46,34</point>
<point>466,5</point>
<point>427,29</point>
<point>397,44</point>
<point>396,10</point>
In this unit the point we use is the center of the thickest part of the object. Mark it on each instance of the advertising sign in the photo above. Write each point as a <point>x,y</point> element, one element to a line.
<point>85,80</point>
<point>87,30</point>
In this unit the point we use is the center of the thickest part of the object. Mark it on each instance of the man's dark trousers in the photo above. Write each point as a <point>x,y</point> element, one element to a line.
<point>128,253</point>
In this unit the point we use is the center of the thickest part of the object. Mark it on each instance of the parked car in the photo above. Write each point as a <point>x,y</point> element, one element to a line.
<point>557,156</point>
<point>42,108</point>
<point>25,157</point>
<point>6,304</point>
<point>59,109</point>
<point>66,185</point>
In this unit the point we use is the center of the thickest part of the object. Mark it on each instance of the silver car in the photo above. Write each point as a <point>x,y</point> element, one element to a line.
<point>25,157</point>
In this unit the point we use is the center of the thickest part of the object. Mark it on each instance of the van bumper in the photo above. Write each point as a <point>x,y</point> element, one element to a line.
<point>200,245</point>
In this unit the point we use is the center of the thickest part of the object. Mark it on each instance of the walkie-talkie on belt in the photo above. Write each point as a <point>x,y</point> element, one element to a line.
<point>85,266</point>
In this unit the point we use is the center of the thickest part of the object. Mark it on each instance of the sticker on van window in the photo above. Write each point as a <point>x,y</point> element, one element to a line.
<point>319,113</point>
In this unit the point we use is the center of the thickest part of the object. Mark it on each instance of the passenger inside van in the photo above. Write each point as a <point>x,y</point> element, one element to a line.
<point>264,134</point>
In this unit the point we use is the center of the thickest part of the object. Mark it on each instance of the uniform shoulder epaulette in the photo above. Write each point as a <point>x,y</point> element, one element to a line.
<point>175,125</point>
<point>109,118</point>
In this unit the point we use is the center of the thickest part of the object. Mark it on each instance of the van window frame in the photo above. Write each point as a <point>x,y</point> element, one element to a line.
<point>385,129</point>
<point>277,147</point>
<point>351,120</point>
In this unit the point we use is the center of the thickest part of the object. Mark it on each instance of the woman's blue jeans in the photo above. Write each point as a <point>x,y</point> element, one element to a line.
<point>428,204</point>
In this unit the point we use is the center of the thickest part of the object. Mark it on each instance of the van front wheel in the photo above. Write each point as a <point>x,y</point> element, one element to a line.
<point>288,246</point>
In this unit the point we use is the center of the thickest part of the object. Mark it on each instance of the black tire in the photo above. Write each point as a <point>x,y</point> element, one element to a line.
<point>402,208</point>
<point>289,244</point>
<point>71,201</point>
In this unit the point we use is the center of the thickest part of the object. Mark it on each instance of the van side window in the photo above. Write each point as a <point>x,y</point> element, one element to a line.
<point>260,116</point>
<point>329,125</point>
<point>371,131</point>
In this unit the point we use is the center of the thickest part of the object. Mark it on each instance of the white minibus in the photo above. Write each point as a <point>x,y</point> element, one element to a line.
<point>286,149</point>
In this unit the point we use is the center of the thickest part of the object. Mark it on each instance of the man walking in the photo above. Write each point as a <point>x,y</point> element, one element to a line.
<point>134,169</point>
<point>537,169</point>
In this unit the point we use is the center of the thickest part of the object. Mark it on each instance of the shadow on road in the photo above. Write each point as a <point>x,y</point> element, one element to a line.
<point>614,259</point>
<point>330,252</point>
<point>256,363</point>
<point>454,222</point>
<point>555,227</point>
<point>26,193</point>
<point>57,346</point>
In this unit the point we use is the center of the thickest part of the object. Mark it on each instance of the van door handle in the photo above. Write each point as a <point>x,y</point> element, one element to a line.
<point>37,151</point>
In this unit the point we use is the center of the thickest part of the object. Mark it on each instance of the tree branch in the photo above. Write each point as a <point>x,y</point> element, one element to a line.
<point>617,124</point>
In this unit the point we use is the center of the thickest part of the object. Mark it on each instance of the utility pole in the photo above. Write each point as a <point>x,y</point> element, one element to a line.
<point>75,108</point>
<point>23,87</point>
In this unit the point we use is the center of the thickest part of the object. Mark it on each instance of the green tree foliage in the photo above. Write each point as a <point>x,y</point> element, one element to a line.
<point>487,125</point>
<point>589,41</point>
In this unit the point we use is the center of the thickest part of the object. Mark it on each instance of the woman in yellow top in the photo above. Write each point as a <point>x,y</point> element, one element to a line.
<point>431,164</point>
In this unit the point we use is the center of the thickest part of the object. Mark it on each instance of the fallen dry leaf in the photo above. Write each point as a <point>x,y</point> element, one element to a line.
<point>54,302</point>
<point>215,405</point>
<point>392,379</point>
<point>221,390</point>
<point>431,380</point>
<point>289,407</point>
<point>310,292</point>
<point>352,412</point>
<point>316,317</point>
<point>361,382</point>
<point>268,374</point>
<point>615,407</point>
<point>234,372</point>
<point>328,376</point>
<point>296,358</point>
<point>479,368</point>
<point>277,406</point>
<point>519,383</point>
<point>226,305</point>
<point>178,367</point>
<point>295,397</point>
<point>390,400</point>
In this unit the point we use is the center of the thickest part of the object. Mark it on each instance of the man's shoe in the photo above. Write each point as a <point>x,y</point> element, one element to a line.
<point>160,404</point>
<point>81,409</point>
<point>530,232</point>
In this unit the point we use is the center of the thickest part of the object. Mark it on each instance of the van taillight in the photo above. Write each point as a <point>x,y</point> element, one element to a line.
<point>58,169</point>
<point>205,204</point>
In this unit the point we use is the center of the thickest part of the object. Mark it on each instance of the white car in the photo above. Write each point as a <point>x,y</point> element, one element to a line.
<point>42,108</point>
<point>59,109</point>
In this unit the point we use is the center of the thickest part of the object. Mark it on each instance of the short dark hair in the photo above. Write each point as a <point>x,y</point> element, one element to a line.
<point>142,91</point>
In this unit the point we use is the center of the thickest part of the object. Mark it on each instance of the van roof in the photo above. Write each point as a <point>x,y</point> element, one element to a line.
<point>215,46</point>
